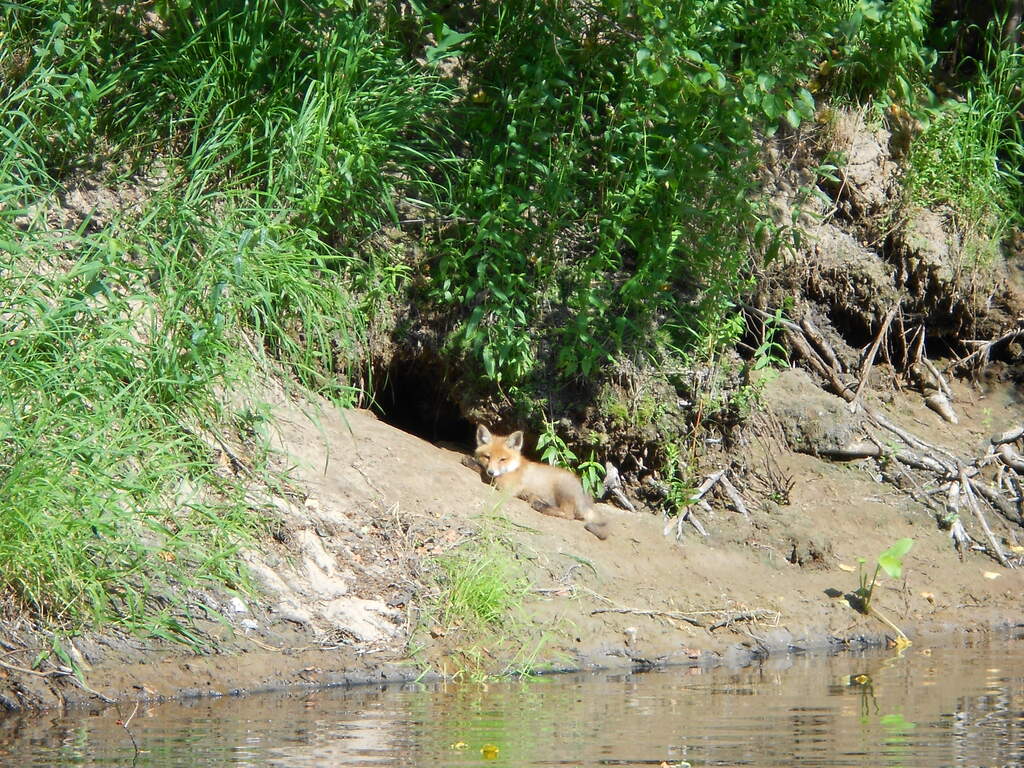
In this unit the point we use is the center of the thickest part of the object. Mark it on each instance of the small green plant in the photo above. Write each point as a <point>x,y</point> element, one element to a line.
<point>592,476</point>
<point>890,561</point>
<point>482,586</point>
<point>770,353</point>
<point>554,451</point>
<point>679,493</point>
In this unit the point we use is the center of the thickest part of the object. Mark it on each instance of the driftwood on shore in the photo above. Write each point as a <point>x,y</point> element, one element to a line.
<point>718,479</point>
<point>960,481</point>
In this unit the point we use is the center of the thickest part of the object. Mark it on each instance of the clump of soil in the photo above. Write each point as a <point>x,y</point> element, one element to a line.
<point>866,250</point>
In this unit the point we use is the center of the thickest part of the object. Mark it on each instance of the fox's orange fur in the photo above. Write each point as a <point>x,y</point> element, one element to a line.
<point>551,490</point>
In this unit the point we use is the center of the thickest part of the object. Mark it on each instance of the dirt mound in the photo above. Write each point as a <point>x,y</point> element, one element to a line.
<point>865,250</point>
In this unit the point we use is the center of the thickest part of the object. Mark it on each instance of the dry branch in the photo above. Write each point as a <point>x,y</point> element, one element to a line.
<point>984,348</point>
<point>760,613</point>
<point>655,614</point>
<point>822,347</point>
<point>958,475</point>
<point>972,502</point>
<point>869,358</point>
<point>1010,457</point>
<point>940,380</point>
<point>613,485</point>
<point>1010,436</point>
<point>734,497</point>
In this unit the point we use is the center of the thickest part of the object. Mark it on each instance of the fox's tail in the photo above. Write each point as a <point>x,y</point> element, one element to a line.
<point>596,524</point>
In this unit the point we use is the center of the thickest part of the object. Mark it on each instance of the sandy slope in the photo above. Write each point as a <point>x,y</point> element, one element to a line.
<point>345,571</point>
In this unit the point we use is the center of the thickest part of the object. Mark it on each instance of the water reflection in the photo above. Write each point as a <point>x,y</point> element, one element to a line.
<point>948,707</point>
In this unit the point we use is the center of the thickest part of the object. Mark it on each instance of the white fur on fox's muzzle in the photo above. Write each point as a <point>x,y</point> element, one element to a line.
<point>511,466</point>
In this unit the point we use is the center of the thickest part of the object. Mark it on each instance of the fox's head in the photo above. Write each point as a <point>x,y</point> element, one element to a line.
<point>498,454</point>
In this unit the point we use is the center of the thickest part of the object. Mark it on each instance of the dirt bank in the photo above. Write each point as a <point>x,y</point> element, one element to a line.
<point>343,574</point>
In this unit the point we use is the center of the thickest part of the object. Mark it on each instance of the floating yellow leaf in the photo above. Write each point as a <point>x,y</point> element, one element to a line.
<point>459,745</point>
<point>902,642</point>
<point>847,568</point>
<point>489,751</point>
<point>990,574</point>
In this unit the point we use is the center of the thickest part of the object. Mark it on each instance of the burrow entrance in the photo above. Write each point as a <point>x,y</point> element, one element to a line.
<point>413,396</point>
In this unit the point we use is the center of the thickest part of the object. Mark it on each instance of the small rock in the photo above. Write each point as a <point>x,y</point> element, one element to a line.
<point>237,605</point>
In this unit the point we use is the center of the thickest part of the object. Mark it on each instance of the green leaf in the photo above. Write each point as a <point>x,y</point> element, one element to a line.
<point>804,103</point>
<point>488,358</point>
<point>891,561</point>
<point>445,48</point>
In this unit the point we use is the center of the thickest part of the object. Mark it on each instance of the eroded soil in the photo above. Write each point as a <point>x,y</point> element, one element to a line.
<point>344,572</point>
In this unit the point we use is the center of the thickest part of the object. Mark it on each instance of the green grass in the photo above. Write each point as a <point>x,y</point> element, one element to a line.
<point>483,587</point>
<point>971,155</point>
<point>271,140</point>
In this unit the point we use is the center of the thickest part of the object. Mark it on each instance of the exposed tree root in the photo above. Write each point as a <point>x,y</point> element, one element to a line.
<point>956,476</point>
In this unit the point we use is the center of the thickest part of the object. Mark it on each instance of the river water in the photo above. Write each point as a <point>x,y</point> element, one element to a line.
<point>940,706</point>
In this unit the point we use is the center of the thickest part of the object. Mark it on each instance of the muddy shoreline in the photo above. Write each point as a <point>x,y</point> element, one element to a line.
<point>202,677</point>
<point>342,587</point>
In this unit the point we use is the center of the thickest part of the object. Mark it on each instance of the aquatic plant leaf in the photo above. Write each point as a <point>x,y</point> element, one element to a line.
<point>891,561</point>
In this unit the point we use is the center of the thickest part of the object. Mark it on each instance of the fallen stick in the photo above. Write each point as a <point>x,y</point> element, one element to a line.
<point>613,485</point>
<point>1010,436</point>
<point>692,518</point>
<point>940,380</point>
<point>961,539</point>
<point>869,359</point>
<point>655,614</point>
<point>984,348</point>
<point>734,497</point>
<point>948,461</point>
<point>1010,457</point>
<point>707,485</point>
<point>818,340</point>
<point>861,449</point>
<point>124,724</point>
<point>920,462</point>
<point>696,499</point>
<point>760,613</point>
<point>993,497</point>
<point>686,516</point>
<point>1018,492</point>
<point>972,502</point>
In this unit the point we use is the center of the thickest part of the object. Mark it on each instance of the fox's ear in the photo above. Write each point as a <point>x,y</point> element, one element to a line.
<point>515,441</point>
<point>483,435</point>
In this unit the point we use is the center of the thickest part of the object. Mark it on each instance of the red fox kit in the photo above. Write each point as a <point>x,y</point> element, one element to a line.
<point>551,490</point>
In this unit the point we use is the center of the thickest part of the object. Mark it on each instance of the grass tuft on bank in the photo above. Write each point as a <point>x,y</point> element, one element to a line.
<point>258,145</point>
